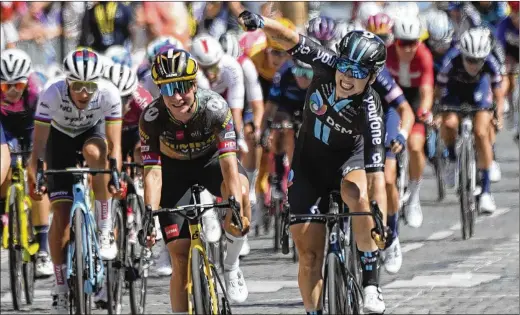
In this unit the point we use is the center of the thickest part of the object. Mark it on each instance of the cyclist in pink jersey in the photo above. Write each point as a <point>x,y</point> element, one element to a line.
<point>20,89</point>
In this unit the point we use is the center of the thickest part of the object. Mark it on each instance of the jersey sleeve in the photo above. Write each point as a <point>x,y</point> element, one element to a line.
<point>495,72</point>
<point>150,148</point>
<point>314,54</point>
<point>141,98</point>
<point>444,73</point>
<point>112,107</point>
<point>427,78</point>
<point>235,90</point>
<point>388,89</point>
<point>46,105</point>
<point>251,81</point>
<point>223,126</point>
<point>374,136</point>
<point>202,81</point>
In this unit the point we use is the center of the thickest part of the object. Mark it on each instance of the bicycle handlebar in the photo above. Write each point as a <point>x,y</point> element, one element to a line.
<point>132,164</point>
<point>464,108</point>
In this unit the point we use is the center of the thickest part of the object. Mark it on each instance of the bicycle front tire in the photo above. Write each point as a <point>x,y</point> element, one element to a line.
<point>336,289</point>
<point>200,291</point>
<point>115,271</point>
<point>137,291</point>
<point>15,254</point>
<point>465,192</point>
<point>79,293</point>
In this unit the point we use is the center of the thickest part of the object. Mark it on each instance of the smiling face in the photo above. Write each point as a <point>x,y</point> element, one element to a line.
<point>346,85</point>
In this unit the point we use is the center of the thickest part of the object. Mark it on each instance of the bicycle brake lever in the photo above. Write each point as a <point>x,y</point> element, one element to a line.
<point>114,174</point>
<point>378,232</point>
<point>148,225</point>
<point>235,209</point>
<point>40,181</point>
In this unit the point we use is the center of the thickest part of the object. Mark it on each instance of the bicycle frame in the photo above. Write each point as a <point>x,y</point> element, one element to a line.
<point>18,187</point>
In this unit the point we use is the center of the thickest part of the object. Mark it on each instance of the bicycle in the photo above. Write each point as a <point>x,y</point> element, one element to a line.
<point>19,237</point>
<point>402,180</point>
<point>342,272</point>
<point>467,166</point>
<point>202,274</point>
<point>85,270</point>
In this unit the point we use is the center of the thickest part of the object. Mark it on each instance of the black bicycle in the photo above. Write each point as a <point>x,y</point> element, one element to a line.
<point>467,166</point>
<point>342,274</point>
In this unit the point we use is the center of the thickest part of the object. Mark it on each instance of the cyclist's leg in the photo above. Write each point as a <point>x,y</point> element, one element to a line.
<point>60,153</point>
<point>5,158</point>
<point>95,151</point>
<point>309,235</point>
<point>283,147</point>
<point>482,120</point>
<point>449,131</point>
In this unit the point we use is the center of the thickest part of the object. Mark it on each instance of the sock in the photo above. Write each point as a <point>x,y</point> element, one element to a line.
<point>370,266</point>
<point>234,245</point>
<point>42,235</point>
<point>393,224</point>
<point>316,312</point>
<point>486,183</point>
<point>104,215</point>
<point>414,186</point>
<point>451,153</point>
<point>60,279</point>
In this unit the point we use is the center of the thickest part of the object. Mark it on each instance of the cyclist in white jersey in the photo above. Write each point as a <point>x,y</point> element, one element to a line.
<point>78,113</point>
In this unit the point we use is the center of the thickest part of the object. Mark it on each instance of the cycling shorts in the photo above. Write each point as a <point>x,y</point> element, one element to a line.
<point>178,176</point>
<point>316,176</point>
<point>478,94</point>
<point>392,122</point>
<point>61,153</point>
<point>13,140</point>
<point>129,138</point>
<point>413,96</point>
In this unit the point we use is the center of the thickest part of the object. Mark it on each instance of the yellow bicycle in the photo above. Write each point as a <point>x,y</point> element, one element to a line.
<point>203,296</point>
<point>19,237</point>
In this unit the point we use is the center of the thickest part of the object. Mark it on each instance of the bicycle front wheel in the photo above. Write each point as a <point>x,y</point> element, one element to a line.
<point>204,300</point>
<point>79,302</point>
<point>466,191</point>
<point>15,253</point>
<point>336,288</point>
<point>137,272</point>
<point>115,269</point>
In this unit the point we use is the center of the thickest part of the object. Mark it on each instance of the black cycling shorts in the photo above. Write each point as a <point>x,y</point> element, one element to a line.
<point>177,177</point>
<point>60,153</point>
<point>129,138</point>
<point>316,174</point>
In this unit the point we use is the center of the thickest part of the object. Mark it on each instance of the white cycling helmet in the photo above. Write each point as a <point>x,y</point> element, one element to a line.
<point>207,50</point>
<point>476,43</point>
<point>83,64</point>
<point>439,26</point>
<point>119,54</point>
<point>123,77</point>
<point>15,65</point>
<point>153,48</point>
<point>54,71</point>
<point>366,10</point>
<point>230,44</point>
<point>408,28</point>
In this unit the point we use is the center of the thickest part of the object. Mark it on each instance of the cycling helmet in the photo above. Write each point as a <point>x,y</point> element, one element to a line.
<point>363,48</point>
<point>15,65</point>
<point>513,5</point>
<point>83,64</point>
<point>476,43</point>
<point>439,26</point>
<point>367,9</point>
<point>123,77</point>
<point>379,24</point>
<point>342,28</point>
<point>271,43</point>
<point>173,65</point>
<point>408,28</point>
<point>54,71</point>
<point>230,44</point>
<point>153,48</point>
<point>119,54</point>
<point>207,50</point>
<point>322,28</point>
<point>454,5</point>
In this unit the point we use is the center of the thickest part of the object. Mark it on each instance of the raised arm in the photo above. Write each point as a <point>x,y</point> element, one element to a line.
<point>286,37</point>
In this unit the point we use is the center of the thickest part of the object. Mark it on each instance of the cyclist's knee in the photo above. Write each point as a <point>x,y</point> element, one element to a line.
<point>95,151</point>
<point>354,190</point>
<point>306,238</point>
<point>179,251</point>
<point>390,173</point>
<point>450,121</point>
<point>416,142</point>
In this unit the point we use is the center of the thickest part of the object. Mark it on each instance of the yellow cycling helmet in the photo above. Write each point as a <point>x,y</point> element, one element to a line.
<point>172,65</point>
<point>271,43</point>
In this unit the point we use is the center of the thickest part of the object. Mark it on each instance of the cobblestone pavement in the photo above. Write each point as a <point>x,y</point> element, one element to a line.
<point>441,273</point>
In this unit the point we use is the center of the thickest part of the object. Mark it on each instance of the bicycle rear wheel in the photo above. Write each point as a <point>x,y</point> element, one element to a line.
<point>440,164</point>
<point>276,212</point>
<point>29,262</point>
<point>137,273</point>
<point>202,297</point>
<point>79,297</point>
<point>336,286</point>
<point>115,271</point>
<point>15,252</point>
<point>466,192</point>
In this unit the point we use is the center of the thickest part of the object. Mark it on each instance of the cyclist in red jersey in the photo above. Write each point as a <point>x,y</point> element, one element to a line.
<point>411,64</point>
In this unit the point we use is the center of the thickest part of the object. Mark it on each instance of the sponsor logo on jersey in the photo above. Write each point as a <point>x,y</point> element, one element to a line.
<point>325,58</point>
<point>337,126</point>
<point>179,135</point>
<point>230,135</point>
<point>145,148</point>
<point>374,120</point>
<point>143,135</point>
<point>151,114</point>
<point>316,104</point>
<point>172,230</point>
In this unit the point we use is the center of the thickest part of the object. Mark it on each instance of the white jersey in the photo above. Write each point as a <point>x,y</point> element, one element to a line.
<point>149,85</point>
<point>251,81</point>
<point>229,84</point>
<point>55,107</point>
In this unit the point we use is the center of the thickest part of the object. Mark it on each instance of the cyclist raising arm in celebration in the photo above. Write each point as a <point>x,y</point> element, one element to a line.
<point>341,144</point>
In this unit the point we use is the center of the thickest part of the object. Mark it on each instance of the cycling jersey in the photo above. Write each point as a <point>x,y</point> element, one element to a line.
<point>251,81</point>
<point>417,73</point>
<point>330,124</point>
<point>494,14</point>
<point>209,130</point>
<point>253,43</point>
<point>391,94</point>
<point>229,83</point>
<point>470,17</point>
<point>508,37</point>
<point>55,108</point>
<point>18,117</point>
<point>286,93</point>
<point>140,99</point>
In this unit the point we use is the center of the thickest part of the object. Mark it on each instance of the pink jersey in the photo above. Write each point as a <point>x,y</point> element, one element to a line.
<point>140,99</point>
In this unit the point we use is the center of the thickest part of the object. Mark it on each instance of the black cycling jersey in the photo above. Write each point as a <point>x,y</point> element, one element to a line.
<point>285,92</point>
<point>331,124</point>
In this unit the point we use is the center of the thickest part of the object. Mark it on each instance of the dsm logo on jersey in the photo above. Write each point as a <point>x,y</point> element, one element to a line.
<point>316,104</point>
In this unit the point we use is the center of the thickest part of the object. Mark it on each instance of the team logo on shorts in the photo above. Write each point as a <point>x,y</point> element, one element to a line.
<point>316,104</point>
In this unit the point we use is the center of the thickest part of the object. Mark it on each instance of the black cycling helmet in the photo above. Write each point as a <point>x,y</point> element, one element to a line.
<point>363,48</point>
<point>171,65</point>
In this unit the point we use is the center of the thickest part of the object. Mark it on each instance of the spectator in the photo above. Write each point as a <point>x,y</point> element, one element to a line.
<point>106,24</point>
<point>10,11</point>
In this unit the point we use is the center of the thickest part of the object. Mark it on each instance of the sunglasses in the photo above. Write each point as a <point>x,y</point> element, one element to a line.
<point>78,86</point>
<point>302,72</point>
<point>357,71</point>
<point>18,86</point>
<point>439,44</point>
<point>181,87</point>
<point>407,43</point>
<point>474,61</point>
<point>278,53</point>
